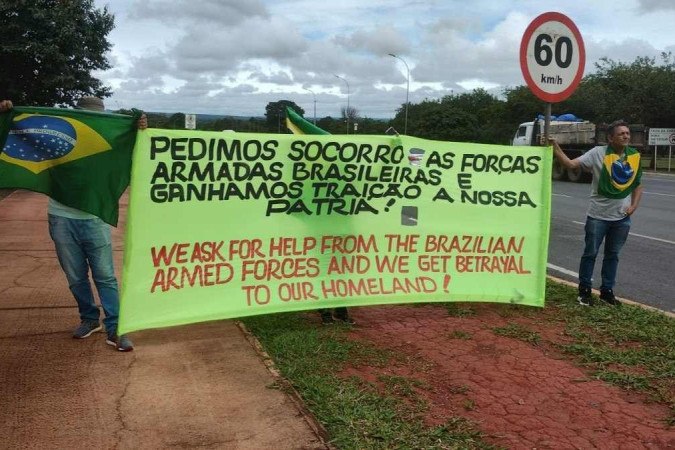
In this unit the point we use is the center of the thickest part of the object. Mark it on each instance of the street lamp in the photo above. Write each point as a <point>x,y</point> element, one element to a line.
<point>407,92</point>
<point>309,90</point>
<point>347,111</point>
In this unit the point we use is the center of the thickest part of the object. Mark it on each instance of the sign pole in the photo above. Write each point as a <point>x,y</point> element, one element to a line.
<point>547,123</point>
<point>662,136</point>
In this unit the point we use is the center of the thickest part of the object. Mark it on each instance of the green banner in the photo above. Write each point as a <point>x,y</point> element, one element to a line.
<point>226,225</point>
<point>79,158</point>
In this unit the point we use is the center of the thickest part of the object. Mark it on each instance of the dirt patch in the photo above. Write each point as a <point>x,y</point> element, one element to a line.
<point>504,373</point>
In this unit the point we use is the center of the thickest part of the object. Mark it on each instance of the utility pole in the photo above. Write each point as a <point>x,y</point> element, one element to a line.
<point>407,92</point>
<point>314,95</point>
<point>348,111</point>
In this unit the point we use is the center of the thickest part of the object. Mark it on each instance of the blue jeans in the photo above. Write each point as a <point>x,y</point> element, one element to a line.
<point>614,234</point>
<point>83,244</point>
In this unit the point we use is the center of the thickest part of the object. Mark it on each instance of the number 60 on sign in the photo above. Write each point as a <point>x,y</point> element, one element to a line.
<point>552,56</point>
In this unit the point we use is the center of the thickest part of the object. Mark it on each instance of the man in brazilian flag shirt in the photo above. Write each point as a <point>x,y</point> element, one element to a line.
<point>615,195</point>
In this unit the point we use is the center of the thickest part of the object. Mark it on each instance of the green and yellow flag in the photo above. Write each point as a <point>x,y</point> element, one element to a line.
<point>298,125</point>
<point>620,174</point>
<point>79,158</point>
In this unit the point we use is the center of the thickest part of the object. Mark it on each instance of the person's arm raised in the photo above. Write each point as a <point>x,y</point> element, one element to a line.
<point>562,157</point>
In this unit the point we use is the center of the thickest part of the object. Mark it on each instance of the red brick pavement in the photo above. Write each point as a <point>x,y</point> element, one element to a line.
<point>522,396</point>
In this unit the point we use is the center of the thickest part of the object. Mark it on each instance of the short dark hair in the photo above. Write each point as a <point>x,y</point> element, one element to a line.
<point>612,126</point>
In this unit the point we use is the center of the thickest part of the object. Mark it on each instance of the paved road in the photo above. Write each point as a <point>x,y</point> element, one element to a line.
<point>647,267</point>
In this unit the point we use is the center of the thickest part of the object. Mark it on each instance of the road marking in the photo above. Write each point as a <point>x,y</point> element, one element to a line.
<point>644,192</point>
<point>653,238</point>
<point>562,270</point>
<point>666,241</point>
<point>661,176</point>
<point>658,193</point>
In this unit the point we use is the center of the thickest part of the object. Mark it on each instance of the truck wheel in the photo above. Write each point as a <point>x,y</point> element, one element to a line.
<point>558,172</point>
<point>577,175</point>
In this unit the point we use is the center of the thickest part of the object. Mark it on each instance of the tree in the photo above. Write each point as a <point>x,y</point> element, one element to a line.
<point>350,116</point>
<point>639,92</point>
<point>372,126</point>
<point>275,114</point>
<point>176,121</point>
<point>49,49</point>
<point>522,105</point>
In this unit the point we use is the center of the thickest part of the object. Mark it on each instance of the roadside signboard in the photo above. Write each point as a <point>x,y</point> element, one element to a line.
<point>662,136</point>
<point>552,57</point>
<point>190,121</point>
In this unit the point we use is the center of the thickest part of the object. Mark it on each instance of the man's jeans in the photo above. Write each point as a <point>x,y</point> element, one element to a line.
<point>615,234</point>
<point>82,244</point>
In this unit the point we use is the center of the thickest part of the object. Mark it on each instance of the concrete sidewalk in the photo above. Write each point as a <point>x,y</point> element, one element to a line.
<point>202,385</point>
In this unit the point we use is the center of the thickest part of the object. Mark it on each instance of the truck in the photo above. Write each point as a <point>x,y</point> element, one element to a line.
<point>575,137</point>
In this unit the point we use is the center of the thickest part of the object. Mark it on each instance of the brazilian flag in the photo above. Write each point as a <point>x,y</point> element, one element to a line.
<point>298,125</point>
<point>77,157</point>
<point>620,175</point>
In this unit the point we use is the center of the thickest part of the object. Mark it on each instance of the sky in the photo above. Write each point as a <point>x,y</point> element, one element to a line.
<point>233,57</point>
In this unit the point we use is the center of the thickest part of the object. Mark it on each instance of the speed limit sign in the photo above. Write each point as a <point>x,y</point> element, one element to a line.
<point>552,57</point>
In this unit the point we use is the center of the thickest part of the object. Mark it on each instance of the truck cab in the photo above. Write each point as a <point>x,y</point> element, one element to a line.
<point>525,134</point>
<point>574,137</point>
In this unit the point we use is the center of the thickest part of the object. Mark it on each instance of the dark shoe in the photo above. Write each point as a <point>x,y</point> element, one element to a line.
<point>346,319</point>
<point>121,343</point>
<point>342,315</point>
<point>585,298</point>
<point>86,328</point>
<point>607,295</point>
<point>327,318</point>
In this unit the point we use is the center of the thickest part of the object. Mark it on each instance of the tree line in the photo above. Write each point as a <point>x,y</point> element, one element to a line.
<point>640,92</point>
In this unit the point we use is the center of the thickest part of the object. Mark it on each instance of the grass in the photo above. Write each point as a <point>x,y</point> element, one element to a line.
<point>458,334</point>
<point>629,347</point>
<point>661,162</point>
<point>517,331</point>
<point>387,414</point>
<point>460,310</point>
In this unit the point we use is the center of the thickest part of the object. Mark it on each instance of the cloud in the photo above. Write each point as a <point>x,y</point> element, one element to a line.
<point>451,56</point>
<point>626,50</point>
<point>379,41</point>
<point>215,12</point>
<point>655,5</point>
<point>252,39</point>
<point>148,66</point>
<point>279,77</point>
<point>234,56</point>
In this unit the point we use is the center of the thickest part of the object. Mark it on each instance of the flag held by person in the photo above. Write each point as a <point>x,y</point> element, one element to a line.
<point>79,158</point>
<point>298,125</point>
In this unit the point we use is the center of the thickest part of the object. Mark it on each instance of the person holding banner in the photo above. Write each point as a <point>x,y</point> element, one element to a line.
<point>615,195</point>
<point>83,242</point>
